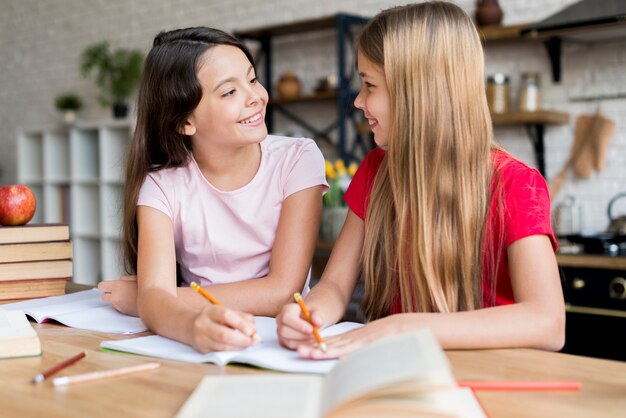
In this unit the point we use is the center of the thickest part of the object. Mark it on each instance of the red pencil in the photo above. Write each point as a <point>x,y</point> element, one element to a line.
<point>44,375</point>
<point>519,385</point>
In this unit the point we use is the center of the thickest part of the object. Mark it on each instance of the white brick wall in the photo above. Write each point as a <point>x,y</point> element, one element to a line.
<point>40,44</point>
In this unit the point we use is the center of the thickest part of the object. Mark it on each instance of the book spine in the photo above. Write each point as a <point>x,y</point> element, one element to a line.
<point>36,270</point>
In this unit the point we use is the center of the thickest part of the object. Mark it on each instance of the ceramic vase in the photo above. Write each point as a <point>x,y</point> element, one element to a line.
<point>488,12</point>
<point>289,86</point>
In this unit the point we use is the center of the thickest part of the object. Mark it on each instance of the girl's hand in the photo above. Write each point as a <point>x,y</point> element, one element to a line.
<point>216,328</point>
<point>121,294</point>
<point>339,346</point>
<point>293,329</point>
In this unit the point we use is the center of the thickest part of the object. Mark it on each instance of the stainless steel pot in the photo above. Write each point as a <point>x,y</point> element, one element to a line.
<point>617,225</point>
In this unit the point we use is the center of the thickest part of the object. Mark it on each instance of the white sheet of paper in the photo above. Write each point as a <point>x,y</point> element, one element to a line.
<point>84,310</point>
<point>269,354</point>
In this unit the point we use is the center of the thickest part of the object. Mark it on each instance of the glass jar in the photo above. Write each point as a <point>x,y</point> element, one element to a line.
<point>529,96</point>
<point>498,93</point>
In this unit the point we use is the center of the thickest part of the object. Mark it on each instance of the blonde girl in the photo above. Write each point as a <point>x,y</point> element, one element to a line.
<point>448,230</point>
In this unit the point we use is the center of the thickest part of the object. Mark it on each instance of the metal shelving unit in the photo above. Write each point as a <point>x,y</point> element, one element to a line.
<point>347,121</point>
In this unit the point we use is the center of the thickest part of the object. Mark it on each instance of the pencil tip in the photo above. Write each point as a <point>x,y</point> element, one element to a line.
<point>323,347</point>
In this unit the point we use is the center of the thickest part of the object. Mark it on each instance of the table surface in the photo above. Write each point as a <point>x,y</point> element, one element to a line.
<point>161,392</point>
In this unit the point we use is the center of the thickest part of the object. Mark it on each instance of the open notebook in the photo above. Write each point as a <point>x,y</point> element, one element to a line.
<point>268,354</point>
<point>405,375</point>
<point>84,310</point>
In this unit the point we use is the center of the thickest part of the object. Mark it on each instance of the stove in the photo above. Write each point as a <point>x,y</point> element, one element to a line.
<point>594,286</point>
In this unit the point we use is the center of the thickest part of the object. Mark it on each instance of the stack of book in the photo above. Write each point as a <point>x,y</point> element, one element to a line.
<point>35,260</point>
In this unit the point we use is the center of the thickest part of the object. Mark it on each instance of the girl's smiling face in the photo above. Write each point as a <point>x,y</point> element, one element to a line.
<point>231,112</point>
<point>373,99</point>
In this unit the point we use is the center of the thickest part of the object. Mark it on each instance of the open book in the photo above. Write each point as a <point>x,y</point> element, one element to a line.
<point>84,310</point>
<point>17,336</point>
<point>269,354</point>
<point>406,375</point>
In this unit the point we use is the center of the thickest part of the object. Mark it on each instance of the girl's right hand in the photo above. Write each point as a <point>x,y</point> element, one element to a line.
<point>217,328</point>
<point>293,329</point>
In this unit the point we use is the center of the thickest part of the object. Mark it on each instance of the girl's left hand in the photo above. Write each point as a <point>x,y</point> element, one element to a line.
<point>339,346</point>
<point>121,293</point>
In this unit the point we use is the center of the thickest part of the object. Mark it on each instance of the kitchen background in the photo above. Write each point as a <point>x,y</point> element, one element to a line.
<point>41,42</point>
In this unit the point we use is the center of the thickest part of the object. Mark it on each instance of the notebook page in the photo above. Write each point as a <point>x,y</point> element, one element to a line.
<point>269,354</point>
<point>84,310</point>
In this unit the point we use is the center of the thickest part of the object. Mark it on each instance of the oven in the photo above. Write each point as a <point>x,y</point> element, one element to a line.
<point>594,286</point>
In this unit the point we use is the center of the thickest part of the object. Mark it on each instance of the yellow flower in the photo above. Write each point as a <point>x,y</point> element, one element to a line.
<point>331,174</point>
<point>352,168</point>
<point>340,166</point>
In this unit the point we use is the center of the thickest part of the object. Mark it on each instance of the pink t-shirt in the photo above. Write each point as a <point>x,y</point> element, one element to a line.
<point>224,237</point>
<point>526,208</point>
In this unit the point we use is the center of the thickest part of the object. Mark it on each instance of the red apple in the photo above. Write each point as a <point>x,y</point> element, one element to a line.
<point>17,204</point>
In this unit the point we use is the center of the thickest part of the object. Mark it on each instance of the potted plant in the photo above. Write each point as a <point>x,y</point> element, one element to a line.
<point>117,73</point>
<point>335,208</point>
<point>68,104</point>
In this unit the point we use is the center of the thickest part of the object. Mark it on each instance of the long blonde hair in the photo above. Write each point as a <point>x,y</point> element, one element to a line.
<point>424,222</point>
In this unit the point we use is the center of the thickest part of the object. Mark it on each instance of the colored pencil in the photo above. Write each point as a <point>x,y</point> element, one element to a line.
<point>519,385</point>
<point>204,293</point>
<point>52,370</point>
<point>102,374</point>
<point>307,316</point>
<point>214,301</point>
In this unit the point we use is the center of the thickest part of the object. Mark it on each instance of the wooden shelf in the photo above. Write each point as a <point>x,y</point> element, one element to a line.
<point>501,33</point>
<point>327,95</point>
<point>544,117</point>
<point>592,261</point>
<point>327,22</point>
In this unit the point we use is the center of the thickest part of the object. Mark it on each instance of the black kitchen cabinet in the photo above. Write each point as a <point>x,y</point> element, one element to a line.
<point>595,312</point>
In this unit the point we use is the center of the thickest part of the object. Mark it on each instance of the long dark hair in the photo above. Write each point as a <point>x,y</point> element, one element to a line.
<point>168,94</point>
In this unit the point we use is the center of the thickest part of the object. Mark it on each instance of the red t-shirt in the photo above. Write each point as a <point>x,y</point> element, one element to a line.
<point>526,202</point>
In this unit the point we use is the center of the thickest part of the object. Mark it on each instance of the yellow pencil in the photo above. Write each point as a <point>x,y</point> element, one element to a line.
<point>214,301</point>
<point>204,293</point>
<point>307,316</point>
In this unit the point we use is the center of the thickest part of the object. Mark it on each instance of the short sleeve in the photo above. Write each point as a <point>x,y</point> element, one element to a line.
<point>360,187</point>
<point>307,170</point>
<point>527,207</point>
<point>151,194</point>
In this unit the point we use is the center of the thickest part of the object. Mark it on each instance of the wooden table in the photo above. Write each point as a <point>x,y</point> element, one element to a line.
<point>161,392</point>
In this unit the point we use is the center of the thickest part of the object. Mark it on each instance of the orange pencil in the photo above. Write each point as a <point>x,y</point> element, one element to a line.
<point>214,301</point>
<point>307,316</point>
<point>520,385</point>
<point>204,293</point>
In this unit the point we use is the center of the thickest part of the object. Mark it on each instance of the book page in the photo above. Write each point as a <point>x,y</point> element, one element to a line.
<point>255,395</point>
<point>450,403</point>
<point>84,310</point>
<point>17,336</point>
<point>268,354</point>
<point>403,362</point>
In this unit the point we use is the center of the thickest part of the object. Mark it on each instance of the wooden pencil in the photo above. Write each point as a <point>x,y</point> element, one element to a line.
<point>307,316</point>
<point>55,369</point>
<point>519,385</point>
<point>214,301</point>
<point>102,374</point>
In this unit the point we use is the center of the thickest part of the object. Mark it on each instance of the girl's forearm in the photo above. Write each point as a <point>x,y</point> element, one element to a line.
<point>517,325</point>
<point>166,315</point>
<point>263,297</point>
<point>329,301</point>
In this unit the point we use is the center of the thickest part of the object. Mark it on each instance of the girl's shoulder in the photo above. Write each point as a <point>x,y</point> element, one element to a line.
<point>510,169</point>
<point>278,143</point>
<point>173,174</point>
<point>285,150</point>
